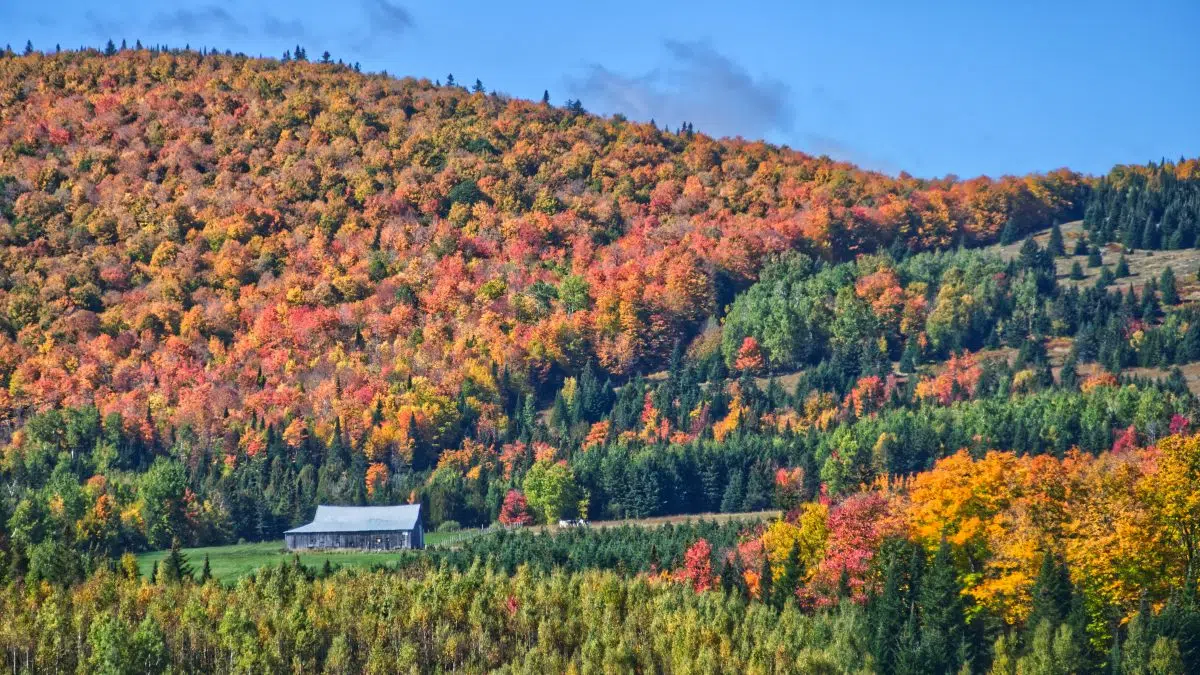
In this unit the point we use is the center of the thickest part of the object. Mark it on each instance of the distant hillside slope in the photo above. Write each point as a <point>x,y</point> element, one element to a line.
<point>191,240</point>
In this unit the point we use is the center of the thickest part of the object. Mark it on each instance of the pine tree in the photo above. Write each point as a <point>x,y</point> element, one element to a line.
<point>1009,234</point>
<point>154,573</point>
<point>1170,294</point>
<point>1122,269</point>
<point>1094,259</point>
<point>793,574</point>
<point>889,612</point>
<point>1056,246</point>
<point>734,495</point>
<point>175,566</point>
<point>206,571</point>
<point>942,623</point>
<point>1051,593</point>
<point>1068,376</point>
<point>766,585</point>
<point>1076,271</point>
<point>1081,245</point>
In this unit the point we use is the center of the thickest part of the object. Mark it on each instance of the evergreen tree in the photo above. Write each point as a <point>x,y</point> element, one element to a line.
<point>734,495</point>
<point>1052,593</point>
<point>889,612</point>
<point>1010,233</point>
<point>766,585</point>
<point>1081,245</point>
<point>206,571</point>
<point>1055,246</point>
<point>1122,269</point>
<point>942,623</point>
<point>1068,376</point>
<point>1170,294</point>
<point>1094,259</point>
<point>793,574</point>
<point>1076,271</point>
<point>175,567</point>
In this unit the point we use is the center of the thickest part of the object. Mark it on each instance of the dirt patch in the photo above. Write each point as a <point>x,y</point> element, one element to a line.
<point>1143,264</point>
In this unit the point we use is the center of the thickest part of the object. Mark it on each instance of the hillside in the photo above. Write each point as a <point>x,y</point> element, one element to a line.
<point>206,241</point>
<point>232,289</point>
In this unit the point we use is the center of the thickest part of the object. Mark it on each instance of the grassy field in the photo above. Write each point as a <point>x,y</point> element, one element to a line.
<point>231,562</point>
<point>237,560</point>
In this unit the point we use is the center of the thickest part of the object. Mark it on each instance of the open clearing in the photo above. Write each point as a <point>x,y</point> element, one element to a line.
<point>229,563</point>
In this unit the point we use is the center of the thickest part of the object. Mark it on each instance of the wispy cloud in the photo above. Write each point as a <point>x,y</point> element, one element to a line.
<point>696,84</point>
<point>386,17</point>
<point>284,29</point>
<point>208,19</point>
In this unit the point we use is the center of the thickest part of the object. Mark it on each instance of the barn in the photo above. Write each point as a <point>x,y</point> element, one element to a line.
<point>364,528</point>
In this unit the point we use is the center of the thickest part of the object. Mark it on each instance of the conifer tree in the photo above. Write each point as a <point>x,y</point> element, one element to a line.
<point>1055,246</point>
<point>1122,269</point>
<point>942,624</point>
<point>1009,234</point>
<point>1170,294</point>
<point>793,574</point>
<point>206,571</point>
<point>1076,271</point>
<point>175,567</point>
<point>1081,245</point>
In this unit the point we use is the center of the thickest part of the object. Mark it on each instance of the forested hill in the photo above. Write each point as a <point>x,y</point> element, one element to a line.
<point>208,241</point>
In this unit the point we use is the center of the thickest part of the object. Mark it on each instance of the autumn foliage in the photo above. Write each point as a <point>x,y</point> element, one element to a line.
<point>219,239</point>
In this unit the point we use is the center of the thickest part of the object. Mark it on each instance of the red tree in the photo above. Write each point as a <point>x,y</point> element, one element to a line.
<point>697,566</point>
<point>515,510</point>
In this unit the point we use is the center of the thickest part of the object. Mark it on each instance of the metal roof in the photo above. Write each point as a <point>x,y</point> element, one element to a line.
<point>362,519</point>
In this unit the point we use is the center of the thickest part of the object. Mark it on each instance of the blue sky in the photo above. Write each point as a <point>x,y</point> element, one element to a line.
<point>930,87</point>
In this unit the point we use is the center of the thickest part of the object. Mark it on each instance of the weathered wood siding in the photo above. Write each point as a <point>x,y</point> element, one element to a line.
<point>360,541</point>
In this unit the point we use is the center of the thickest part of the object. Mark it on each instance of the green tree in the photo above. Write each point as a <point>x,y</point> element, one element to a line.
<point>175,567</point>
<point>574,293</point>
<point>942,622</point>
<point>1166,284</point>
<point>1122,269</point>
<point>551,490</point>
<point>1055,246</point>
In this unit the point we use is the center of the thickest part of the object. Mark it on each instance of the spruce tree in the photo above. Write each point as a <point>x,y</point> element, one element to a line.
<point>1051,593</point>
<point>206,571</point>
<point>1010,233</point>
<point>1056,246</point>
<point>1076,271</point>
<point>175,566</point>
<point>1122,269</point>
<point>942,623</point>
<point>766,582</point>
<point>735,494</point>
<point>1094,259</point>
<point>1068,376</point>
<point>1170,294</point>
<point>1081,245</point>
<point>889,612</point>
<point>793,574</point>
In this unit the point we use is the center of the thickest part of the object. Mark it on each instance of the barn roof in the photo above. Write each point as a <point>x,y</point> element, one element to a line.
<point>362,519</point>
